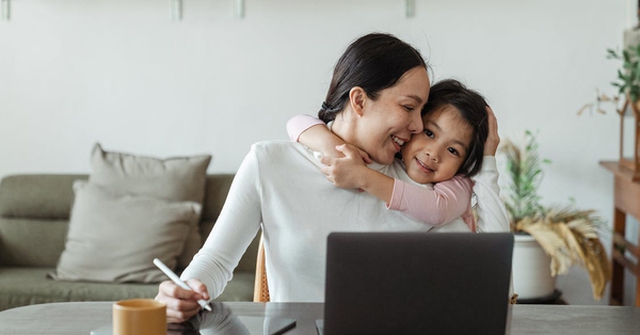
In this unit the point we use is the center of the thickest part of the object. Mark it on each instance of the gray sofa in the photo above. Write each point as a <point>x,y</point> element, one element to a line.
<point>34,217</point>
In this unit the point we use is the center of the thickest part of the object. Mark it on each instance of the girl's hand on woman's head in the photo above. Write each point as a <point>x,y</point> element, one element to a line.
<point>346,172</point>
<point>491,144</point>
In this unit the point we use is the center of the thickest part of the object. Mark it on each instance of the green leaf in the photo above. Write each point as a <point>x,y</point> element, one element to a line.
<point>524,176</point>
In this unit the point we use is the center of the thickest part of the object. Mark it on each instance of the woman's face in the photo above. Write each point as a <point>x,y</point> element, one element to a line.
<point>389,121</point>
<point>437,153</point>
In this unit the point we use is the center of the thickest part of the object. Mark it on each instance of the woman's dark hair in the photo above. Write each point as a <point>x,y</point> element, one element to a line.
<point>472,108</point>
<point>374,62</point>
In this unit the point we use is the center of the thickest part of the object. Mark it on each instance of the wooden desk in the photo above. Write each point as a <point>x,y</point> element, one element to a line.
<point>82,317</point>
<point>626,196</point>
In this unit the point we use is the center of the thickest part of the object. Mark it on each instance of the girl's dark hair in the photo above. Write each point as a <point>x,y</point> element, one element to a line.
<point>374,62</point>
<point>472,108</point>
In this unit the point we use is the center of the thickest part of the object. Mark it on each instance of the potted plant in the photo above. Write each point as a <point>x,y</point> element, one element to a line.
<point>549,240</point>
<point>628,83</point>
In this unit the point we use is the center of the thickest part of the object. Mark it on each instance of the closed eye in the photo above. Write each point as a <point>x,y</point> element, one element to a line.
<point>408,108</point>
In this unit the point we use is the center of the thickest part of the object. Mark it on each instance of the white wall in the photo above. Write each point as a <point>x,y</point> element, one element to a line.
<point>120,72</point>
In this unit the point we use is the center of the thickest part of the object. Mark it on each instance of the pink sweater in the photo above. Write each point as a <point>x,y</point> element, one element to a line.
<point>432,204</point>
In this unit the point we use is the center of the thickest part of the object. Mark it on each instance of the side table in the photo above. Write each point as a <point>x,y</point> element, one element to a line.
<point>626,196</point>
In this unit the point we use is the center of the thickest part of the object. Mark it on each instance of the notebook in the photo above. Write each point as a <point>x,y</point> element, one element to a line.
<point>417,283</point>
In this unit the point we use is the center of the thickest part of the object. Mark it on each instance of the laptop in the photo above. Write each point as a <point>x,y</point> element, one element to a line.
<point>417,283</point>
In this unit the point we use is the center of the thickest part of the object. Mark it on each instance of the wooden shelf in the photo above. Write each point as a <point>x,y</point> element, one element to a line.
<point>620,170</point>
<point>626,197</point>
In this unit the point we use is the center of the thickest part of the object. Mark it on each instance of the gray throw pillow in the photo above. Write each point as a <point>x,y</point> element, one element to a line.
<point>172,179</point>
<point>114,237</point>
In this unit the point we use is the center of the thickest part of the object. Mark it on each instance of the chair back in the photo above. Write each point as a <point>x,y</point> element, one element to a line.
<point>261,287</point>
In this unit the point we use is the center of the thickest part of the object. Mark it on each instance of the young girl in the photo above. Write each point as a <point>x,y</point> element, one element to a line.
<point>444,157</point>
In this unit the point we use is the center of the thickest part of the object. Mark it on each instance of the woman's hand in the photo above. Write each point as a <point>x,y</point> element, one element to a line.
<point>181,304</point>
<point>347,171</point>
<point>491,144</point>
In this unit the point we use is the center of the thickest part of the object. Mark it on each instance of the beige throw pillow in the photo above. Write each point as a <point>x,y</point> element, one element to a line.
<point>172,179</point>
<point>114,237</point>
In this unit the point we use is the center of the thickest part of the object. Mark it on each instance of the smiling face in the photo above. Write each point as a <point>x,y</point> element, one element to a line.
<point>436,154</point>
<point>389,120</point>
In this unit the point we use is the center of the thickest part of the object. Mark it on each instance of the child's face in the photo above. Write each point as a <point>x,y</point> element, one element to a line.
<point>436,154</point>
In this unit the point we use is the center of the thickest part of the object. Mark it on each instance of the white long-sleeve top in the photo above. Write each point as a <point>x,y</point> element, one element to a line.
<point>492,213</point>
<point>279,186</point>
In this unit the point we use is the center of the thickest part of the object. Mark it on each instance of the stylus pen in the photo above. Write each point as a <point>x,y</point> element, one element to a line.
<point>174,277</point>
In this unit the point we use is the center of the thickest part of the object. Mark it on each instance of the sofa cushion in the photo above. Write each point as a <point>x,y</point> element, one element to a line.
<point>31,242</point>
<point>114,237</point>
<point>35,210</point>
<point>216,189</point>
<point>25,286</point>
<point>172,179</point>
<point>37,196</point>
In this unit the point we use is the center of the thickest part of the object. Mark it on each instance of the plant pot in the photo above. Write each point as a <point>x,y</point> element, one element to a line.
<point>531,269</point>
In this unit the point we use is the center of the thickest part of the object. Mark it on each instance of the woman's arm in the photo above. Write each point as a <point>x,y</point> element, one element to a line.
<point>492,214</point>
<point>212,267</point>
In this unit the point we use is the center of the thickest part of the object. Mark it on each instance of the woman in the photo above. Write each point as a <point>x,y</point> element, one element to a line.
<point>379,87</point>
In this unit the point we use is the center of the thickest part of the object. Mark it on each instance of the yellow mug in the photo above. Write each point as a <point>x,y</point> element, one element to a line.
<point>139,317</point>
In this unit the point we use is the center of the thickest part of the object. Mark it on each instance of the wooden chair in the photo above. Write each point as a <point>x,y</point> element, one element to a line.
<point>261,288</point>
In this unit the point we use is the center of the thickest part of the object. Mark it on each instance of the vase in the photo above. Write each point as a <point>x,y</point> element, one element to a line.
<point>532,277</point>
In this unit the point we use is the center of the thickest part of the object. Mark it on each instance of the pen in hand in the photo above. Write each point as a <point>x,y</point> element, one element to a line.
<point>178,281</point>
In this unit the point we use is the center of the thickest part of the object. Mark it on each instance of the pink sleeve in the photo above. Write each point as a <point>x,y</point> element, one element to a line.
<point>447,201</point>
<point>299,123</point>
